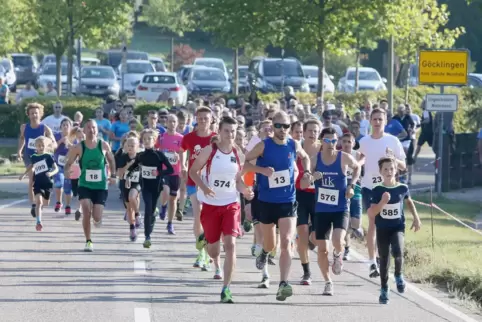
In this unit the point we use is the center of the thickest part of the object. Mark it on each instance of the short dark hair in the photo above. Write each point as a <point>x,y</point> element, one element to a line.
<point>348,135</point>
<point>311,121</point>
<point>383,101</point>
<point>327,131</point>
<point>203,109</point>
<point>378,111</point>
<point>297,123</point>
<point>227,120</point>
<point>326,115</point>
<point>386,160</point>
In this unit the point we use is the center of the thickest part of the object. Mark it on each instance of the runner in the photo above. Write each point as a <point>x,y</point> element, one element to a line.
<point>92,154</point>
<point>306,197</point>
<point>29,132</point>
<point>74,174</point>
<point>41,170</point>
<point>193,143</point>
<point>63,185</point>
<point>151,163</point>
<point>276,159</point>
<point>333,197</point>
<point>387,211</point>
<point>372,148</point>
<point>220,164</point>
<point>170,144</point>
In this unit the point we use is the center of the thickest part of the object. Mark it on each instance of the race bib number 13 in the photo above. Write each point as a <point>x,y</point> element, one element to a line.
<point>279,179</point>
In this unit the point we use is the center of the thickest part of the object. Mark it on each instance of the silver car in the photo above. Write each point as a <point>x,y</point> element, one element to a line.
<point>206,80</point>
<point>135,70</point>
<point>100,81</point>
<point>9,74</point>
<point>25,68</point>
<point>49,74</point>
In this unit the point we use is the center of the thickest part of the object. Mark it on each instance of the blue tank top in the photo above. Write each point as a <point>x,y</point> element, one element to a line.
<point>331,189</point>
<point>61,151</point>
<point>280,187</point>
<point>30,135</point>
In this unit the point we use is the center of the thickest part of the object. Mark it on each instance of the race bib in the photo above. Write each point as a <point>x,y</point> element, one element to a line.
<point>223,183</point>
<point>328,196</point>
<point>279,179</point>
<point>134,177</point>
<point>61,160</point>
<point>93,175</point>
<point>376,178</point>
<point>171,157</point>
<point>31,144</point>
<point>391,211</point>
<point>149,172</point>
<point>40,167</point>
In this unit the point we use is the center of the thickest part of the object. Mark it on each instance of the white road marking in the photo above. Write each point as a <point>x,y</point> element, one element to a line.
<point>424,295</point>
<point>12,204</point>
<point>140,267</point>
<point>142,315</point>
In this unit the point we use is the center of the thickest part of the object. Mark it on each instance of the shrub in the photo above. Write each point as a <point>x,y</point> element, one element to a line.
<point>184,55</point>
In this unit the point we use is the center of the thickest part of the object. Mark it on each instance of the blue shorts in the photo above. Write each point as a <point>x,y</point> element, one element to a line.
<point>366,197</point>
<point>190,190</point>
<point>59,179</point>
<point>355,208</point>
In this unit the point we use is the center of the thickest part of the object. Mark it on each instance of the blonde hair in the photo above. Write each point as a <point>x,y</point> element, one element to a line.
<point>33,106</point>
<point>152,132</point>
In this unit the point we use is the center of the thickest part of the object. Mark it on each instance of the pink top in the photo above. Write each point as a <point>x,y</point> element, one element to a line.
<point>75,170</point>
<point>170,144</point>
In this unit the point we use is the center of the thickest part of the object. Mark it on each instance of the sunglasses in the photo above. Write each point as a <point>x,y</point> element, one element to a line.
<point>280,125</point>
<point>332,141</point>
<point>163,116</point>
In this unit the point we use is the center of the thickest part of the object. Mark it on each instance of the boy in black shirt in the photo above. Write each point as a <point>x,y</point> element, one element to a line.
<point>42,168</point>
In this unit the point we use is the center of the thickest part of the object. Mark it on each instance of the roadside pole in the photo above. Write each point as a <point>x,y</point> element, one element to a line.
<point>440,148</point>
<point>124,65</point>
<point>79,62</point>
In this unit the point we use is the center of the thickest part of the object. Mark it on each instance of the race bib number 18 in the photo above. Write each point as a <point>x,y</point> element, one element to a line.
<point>93,175</point>
<point>279,179</point>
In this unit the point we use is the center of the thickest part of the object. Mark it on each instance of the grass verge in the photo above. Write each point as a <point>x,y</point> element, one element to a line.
<point>453,261</point>
<point>15,168</point>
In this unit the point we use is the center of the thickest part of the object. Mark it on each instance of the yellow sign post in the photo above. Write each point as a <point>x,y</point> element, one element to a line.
<point>443,67</point>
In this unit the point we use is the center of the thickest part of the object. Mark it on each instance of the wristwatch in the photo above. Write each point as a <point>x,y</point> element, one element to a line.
<point>352,186</point>
<point>307,171</point>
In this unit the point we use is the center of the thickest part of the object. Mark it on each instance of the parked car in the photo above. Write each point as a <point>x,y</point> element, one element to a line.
<point>134,73</point>
<point>100,81</point>
<point>89,61</point>
<point>49,74</point>
<point>113,58</point>
<point>154,84</point>
<point>183,73</point>
<point>475,80</point>
<point>368,80</point>
<point>9,74</point>
<point>25,68</point>
<point>212,62</point>
<point>207,80</point>
<point>311,74</point>
<point>243,84</point>
<point>271,74</point>
<point>158,63</point>
<point>50,58</point>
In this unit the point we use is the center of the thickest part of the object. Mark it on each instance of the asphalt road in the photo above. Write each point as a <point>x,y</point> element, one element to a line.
<point>46,276</point>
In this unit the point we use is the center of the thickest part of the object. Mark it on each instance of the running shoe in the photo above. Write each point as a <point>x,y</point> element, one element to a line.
<point>264,282</point>
<point>253,250</point>
<point>201,242</point>
<point>133,234</point>
<point>284,291</point>
<point>125,215</point>
<point>206,267</point>
<point>218,275</point>
<point>247,225</point>
<point>226,296</point>
<point>78,214</point>
<point>358,234</point>
<point>39,226</point>
<point>162,214</point>
<point>346,254</point>
<point>337,266</point>
<point>147,243</point>
<point>328,291</point>
<point>400,281</point>
<point>199,259</point>
<point>374,271</point>
<point>57,207</point>
<point>170,229</point>
<point>306,279</point>
<point>179,215</point>
<point>32,211</point>
<point>383,299</point>
<point>138,221</point>
<point>271,261</point>
<point>68,210</point>
<point>89,247</point>
<point>261,260</point>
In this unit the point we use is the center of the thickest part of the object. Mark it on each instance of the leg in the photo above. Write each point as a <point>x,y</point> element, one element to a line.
<point>68,194</point>
<point>133,205</point>
<point>97,211</point>
<point>174,183</point>
<point>196,212</point>
<point>182,200</point>
<point>340,225</point>
<point>383,241</point>
<point>229,259</point>
<point>287,230</point>
<point>164,201</point>
<point>86,205</point>
<point>397,241</point>
<point>38,210</point>
<point>371,234</point>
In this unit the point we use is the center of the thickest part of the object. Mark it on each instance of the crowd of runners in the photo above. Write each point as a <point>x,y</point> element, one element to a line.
<point>299,177</point>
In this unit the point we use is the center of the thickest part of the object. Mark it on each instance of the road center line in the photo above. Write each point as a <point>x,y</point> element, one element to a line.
<point>142,315</point>
<point>424,295</point>
<point>140,267</point>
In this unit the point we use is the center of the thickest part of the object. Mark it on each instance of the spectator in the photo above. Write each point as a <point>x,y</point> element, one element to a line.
<point>27,92</point>
<point>394,127</point>
<point>327,123</point>
<point>51,90</point>
<point>3,92</point>
<point>289,94</point>
<point>426,133</point>
<point>384,105</point>
<point>103,124</point>
<point>55,120</point>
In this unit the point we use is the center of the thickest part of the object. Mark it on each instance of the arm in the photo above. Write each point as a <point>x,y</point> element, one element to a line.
<point>169,169</point>
<point>400,156</point>
<point>353,164</point>
<point>73,153</point>
<point>48,133</point>
<point>21,141</point>
<point>110,158</point>
<point>416,219</point>
<point>198,164</point>
<point>376,208</point>
<point>54,171</point>
<point>304,157</point>
<point>255,153</point>
<point>28,170</point>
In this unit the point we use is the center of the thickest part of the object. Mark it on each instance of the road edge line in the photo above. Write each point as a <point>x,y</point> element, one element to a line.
<point>12,203</point>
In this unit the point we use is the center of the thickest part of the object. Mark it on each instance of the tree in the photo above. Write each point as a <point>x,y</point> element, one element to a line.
<point>17,27</point>
<point>63,21</point>
<point>170,15</point>
<point>417,25</point>
<point>184,55</point>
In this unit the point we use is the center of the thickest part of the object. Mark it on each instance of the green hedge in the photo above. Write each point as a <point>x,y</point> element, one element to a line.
<point>468,118</point>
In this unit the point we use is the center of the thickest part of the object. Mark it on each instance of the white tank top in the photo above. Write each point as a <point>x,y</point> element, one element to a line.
<point>220,175</point>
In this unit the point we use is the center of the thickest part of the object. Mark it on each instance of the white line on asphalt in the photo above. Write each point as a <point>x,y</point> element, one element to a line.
<point>140,267</point>
<point>425,295</point>
<point>142,315</point>
<point>12,204</point>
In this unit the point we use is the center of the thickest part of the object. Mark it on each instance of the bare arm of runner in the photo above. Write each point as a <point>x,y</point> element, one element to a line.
<point>352,163</point>
<point>21,142</point>
<point>110,160</point>
<point>416,224</point>
<point>376,208</point>
<point>199,163</point>
<point>73,153</point>
<point>54,171</point>
<point>48,133</point>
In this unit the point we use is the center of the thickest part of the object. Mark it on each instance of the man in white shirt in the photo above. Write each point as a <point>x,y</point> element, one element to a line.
<point>27,92</point>
<point>53,121</point>
<point>51,90</point>
<point>372,148</point>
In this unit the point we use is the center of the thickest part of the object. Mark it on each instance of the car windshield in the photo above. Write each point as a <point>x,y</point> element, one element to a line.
<point>159,79</point>
<point>52,70</point>
<point>243,73</point>
<point>312,72</point>
<point>5,64</point>
<point>288,68</point>
<point>139,68</point>
<point>208,75</point>
<point>158,65</point>
<point>22,60</point>
<point>2,70</point>
<point>98,73</point>
<point>115,58</point>
<point>210,63</point>
<point>51,59</point>
<point>364,75</point>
